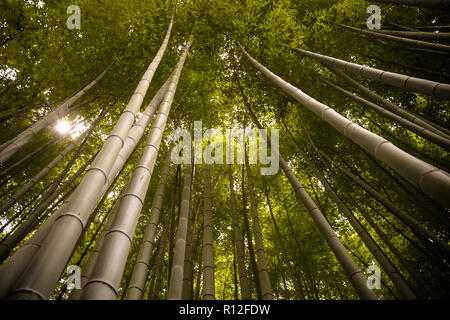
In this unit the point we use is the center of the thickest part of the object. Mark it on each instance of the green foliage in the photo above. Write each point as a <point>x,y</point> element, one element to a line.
<point>52,62</point>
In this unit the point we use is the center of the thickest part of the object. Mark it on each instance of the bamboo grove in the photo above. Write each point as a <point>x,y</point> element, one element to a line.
<point>89,117</point>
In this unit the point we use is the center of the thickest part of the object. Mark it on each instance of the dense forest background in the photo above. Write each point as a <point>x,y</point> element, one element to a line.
<point>42,63</point>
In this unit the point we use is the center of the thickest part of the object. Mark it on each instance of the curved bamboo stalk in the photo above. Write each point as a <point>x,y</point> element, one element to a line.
<point>49,261</point>
<point>284,252</point>
<point>266,286</point>
<point>354,274</point>
<point>104,282</point>
<point>366,238</point>
<point>239,244</point>
<point>424,133</point>
<point>431,180</point>
<point>391,106</point>
<point>418,35</point>
<point>60,111</point>
<point>431,88</point>
<point>406,41</point>
<point>435,4</point>
<point>140,271</point>
<point>176,274</point>
<point>403,216</point>
<point>401,27</point>
<point>208,288</point>
<point>404,66</point>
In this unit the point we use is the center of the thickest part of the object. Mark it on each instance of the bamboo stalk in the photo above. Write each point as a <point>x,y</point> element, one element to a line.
<point>429,179</point>
<point>40,279</point>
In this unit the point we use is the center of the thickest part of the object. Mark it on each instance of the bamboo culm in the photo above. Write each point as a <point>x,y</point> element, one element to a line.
<point>140,269</point>
<point>239,244</point>
<point>104,282</point>
<point>208,287</point>
<point>429,179</point>
<point>424,133</point>
<point>53,254</point>
<point>176,273</point>
<point>264,278</point>
<point>354,274</point>
<point>434,128</point>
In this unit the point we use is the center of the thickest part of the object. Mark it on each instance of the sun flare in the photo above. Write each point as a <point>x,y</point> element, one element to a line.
<point>62,127</point>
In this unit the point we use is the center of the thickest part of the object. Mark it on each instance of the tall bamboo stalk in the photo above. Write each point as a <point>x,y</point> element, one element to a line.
<point>391,106</point>
<point>188,273</point>
<point>418,35</point>
<point>50,260</point>
<point>248,234</point>
<point>431,180</point>
<point>431,88</point>
<point>208,287</point>
<point>159,262</point>
<point>415,43</point>
<point>239,244</point>
<point>264,278</point>
<point>11,168</point>
<point>366,238</point>
<point>284,252</point>
<point>401,215</point>
<point>354,274</point>
<point>140,270</point>
<point>105,282</point>
<point>59,112</point>
<point>176,273</point>
<point>420,131</point>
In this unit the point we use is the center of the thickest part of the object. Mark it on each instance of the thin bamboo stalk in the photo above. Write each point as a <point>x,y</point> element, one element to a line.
<point>208,288</point>
<point>140,269</point>
<point>240,255</point>
<point>418,35</point>
<point>354,274</point>
<point>266,286</point>
<point>176,273</point>
<point>411,42</point>
<point>391,106</point>
<point>50,195</point>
